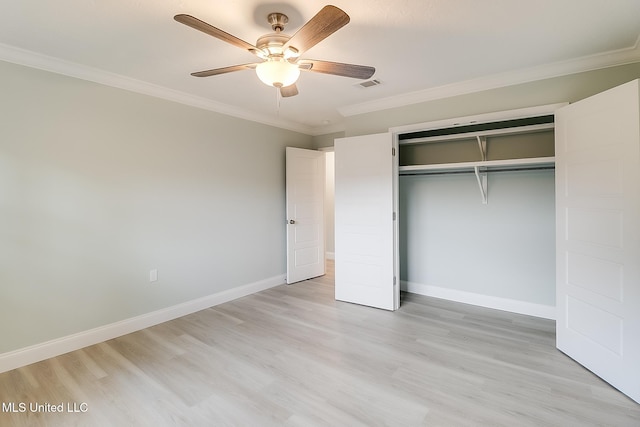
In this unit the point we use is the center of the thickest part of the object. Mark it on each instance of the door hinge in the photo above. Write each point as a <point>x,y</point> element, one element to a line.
<point>394,216</point>
<point>394,280</point>
<point>393,151</point>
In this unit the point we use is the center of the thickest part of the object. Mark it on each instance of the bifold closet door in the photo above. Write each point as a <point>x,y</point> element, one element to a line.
<point>598,235</point>
<point>364,221</point>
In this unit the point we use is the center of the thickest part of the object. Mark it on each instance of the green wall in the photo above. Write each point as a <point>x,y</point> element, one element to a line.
<point>99,185</point>
<point>326,140</point>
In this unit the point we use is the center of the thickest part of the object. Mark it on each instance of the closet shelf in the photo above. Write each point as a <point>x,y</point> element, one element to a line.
<point>487,165</point>
<point>524,144</point>
<point>484,133</point>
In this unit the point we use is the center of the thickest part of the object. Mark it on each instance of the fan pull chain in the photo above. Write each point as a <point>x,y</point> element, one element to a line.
<point>278,98</point>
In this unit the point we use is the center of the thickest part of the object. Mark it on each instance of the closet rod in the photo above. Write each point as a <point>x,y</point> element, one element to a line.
<point>472,171</point>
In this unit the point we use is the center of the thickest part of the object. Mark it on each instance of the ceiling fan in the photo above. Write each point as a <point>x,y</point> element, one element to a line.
<point>280,53</point>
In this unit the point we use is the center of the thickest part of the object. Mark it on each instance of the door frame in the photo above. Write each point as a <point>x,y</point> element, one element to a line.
<point>396,131</point>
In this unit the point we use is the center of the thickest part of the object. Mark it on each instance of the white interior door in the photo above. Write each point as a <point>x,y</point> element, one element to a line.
<point>364,224</point>
<point>305,214</point>
<point>598,235</point>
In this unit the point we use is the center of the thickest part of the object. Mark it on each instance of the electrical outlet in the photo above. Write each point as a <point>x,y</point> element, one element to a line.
<point>153,275</point>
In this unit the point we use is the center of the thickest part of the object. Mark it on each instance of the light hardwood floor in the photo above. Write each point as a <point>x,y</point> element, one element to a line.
<point>294,356</point>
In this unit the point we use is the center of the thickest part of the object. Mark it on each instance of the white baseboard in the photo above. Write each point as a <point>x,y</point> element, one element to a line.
<point>506,304</point>
<point>330,255</point>
<point>35,353</point>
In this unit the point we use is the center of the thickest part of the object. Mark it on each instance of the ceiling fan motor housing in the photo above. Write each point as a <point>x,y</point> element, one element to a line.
<point>271,44</point>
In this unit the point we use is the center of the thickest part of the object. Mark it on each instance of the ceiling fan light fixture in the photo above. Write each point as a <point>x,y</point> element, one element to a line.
<point>281,60</point>
<point>278,73</point>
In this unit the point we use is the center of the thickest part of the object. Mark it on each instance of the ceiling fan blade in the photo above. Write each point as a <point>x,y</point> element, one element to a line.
<point>338,68</point>
<point>215,32</point>
<point>287,91</point>
<point>326,22</point>
<point>223,70</point>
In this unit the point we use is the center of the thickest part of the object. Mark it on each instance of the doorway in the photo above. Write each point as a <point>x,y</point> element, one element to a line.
<point>329,202</point>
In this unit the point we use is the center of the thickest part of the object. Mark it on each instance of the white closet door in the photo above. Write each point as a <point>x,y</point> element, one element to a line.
<point>305,214</point>
<point>598,235</point>
<point>364,225</point>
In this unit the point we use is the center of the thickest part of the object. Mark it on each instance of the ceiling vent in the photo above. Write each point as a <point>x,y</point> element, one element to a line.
<point>369,83</point>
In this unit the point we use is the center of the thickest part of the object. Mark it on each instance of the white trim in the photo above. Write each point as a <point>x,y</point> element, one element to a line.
<point>47,63</point>
<point>505,304</point>
<point>330,255</point>
<point>326,129</point>
<point>558,69</point>
<point>35,353</point>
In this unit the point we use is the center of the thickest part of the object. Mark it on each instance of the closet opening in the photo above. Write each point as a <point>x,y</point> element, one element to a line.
<point>477,213</point>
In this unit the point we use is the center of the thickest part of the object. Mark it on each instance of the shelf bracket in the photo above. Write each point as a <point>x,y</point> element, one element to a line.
<point>482,144</point>
<point>481,176</point>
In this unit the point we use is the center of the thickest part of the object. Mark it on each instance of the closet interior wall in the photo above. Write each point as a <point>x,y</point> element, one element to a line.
<point>454,246</point>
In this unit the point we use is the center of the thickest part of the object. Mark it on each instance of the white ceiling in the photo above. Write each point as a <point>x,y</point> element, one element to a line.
<point>421,49</point>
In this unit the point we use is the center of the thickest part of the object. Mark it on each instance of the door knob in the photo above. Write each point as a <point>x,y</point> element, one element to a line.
<point>292,221</point>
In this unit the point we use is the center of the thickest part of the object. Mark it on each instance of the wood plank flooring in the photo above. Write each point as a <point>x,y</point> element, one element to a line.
<point>293,356</point>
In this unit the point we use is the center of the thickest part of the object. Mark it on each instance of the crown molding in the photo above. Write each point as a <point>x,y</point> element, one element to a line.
<point>588,63</point>
<point>558,69</point>
<point>47,63</point>
<point>324,130</point>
